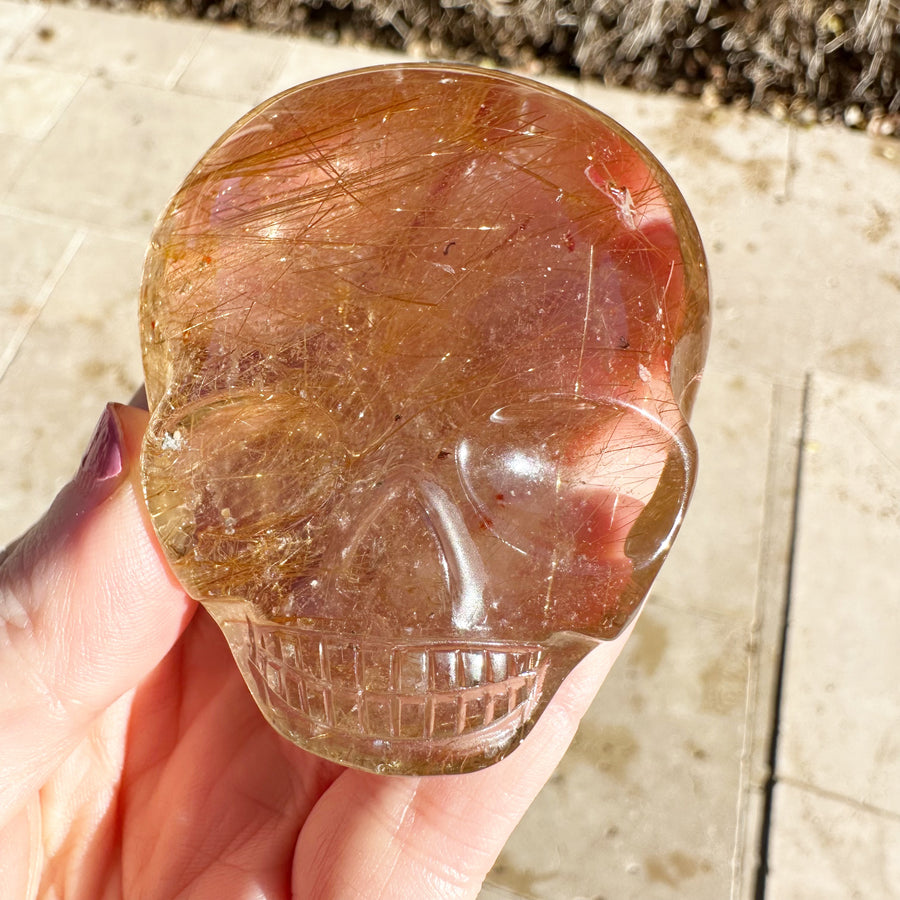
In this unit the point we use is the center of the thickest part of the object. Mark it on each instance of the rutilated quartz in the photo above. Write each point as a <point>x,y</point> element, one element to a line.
<point>420,345</point>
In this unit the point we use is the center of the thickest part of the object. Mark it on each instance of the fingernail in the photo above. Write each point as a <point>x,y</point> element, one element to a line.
<point>103,460</point>
<point>140,398</point>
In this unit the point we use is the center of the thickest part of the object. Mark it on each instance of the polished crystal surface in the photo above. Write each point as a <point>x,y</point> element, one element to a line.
<point>420,345</point>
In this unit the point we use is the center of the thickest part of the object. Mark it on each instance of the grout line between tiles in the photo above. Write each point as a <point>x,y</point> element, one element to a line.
<point>140,233</point>
<point>58,113</point>
<point>501,892</point>
<point>858,805</point>
<point>170,83</point>
<point>43,295</point>
<point>660,601</point>
<point>746,764</point>
<point>23,35</point>
<point>790,166</point>
<point>769,787</point>
<point>785,426</point>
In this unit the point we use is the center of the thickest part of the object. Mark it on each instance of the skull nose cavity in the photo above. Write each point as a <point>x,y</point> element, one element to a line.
<point>410,531</point>
<point>462,562</point>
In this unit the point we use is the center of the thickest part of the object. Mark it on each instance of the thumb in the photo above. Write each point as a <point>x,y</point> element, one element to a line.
<point>87,609</point>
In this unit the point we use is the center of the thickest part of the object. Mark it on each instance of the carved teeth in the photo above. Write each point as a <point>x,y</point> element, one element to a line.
<point>396,692</point>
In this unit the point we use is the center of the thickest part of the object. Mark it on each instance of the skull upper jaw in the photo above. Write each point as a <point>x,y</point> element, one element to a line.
<point>403,709</point>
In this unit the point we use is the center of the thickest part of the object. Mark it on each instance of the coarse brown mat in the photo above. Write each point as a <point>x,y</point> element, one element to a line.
<point>811,59</point>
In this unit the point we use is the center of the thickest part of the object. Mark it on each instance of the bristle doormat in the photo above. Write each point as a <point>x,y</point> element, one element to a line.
<point>810,59</point>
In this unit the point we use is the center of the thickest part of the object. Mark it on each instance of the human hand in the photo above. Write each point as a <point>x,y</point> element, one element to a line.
<point>134,763</point>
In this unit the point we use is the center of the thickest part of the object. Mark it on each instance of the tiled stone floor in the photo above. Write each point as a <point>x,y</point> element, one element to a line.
<point>797,514</point>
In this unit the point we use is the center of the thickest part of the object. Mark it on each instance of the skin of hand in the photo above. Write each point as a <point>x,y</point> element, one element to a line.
<point>134,763</point>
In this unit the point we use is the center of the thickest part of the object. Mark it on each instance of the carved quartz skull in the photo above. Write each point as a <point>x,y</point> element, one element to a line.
<point>420,344</point>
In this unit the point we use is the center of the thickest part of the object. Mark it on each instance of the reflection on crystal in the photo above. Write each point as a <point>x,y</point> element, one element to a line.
<point>420,346</point>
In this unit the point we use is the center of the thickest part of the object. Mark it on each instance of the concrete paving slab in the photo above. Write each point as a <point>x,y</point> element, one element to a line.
<point>14,150</point>
<point>118,153</point>
<point>645,803</point>
<point>122,47</point>
<point>34,98</point>
<point>840,727</point>
<point>848,186</point>
<point>82,351</point>
<point>17,20</point>
<point>828,849</point>
<point>235,65</point>
<point>38,254</point>
<point>712,569</point>
<point>312,59</point>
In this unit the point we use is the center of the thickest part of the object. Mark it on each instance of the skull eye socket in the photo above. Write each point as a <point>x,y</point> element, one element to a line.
<point>574,479</point>
<point>223,484</point>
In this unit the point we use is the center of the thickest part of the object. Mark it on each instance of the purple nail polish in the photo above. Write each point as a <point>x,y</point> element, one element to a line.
<point>102,460</point>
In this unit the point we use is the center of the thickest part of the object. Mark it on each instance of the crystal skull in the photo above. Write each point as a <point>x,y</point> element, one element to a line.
<point>420,346</point>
